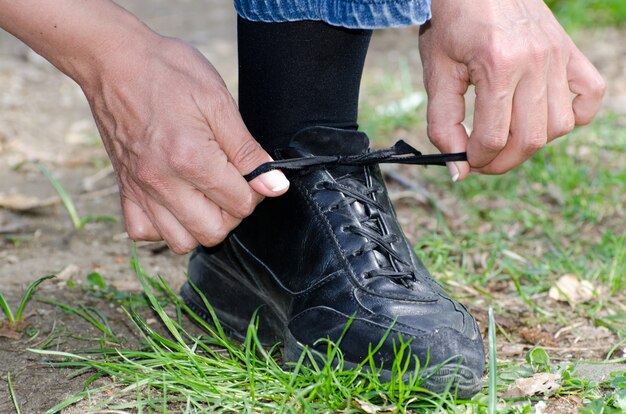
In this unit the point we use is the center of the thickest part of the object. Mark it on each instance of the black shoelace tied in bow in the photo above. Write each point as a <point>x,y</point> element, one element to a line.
<point>396,268</point>
<point>399,153</point>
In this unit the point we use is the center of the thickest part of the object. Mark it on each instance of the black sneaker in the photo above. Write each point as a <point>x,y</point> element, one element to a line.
<point>329,250</point>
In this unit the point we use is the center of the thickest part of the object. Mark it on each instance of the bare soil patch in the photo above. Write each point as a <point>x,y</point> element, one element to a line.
<point>44,116</point>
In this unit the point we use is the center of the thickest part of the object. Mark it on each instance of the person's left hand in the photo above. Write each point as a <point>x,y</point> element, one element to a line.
<point>532,84</point>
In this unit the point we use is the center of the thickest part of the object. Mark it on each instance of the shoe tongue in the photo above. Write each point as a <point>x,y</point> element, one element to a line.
<point>332,141</point>
<point>329,141</point>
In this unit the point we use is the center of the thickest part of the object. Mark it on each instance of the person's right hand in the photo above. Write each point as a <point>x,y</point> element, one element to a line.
<point>172,130</point>
<point>178,144</point>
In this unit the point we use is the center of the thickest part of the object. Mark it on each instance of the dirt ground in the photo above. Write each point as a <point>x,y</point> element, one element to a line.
<point>44,116</point>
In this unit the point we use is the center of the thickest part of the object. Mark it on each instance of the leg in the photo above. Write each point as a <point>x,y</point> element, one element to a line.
<point>296,75</point>
<point>330,252</point>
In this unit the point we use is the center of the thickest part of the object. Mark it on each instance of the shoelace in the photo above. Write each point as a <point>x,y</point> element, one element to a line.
<point>369,228</point>
<point>401,153</point>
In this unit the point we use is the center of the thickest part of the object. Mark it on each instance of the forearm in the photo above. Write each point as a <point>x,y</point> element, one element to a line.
<point>76,36</point>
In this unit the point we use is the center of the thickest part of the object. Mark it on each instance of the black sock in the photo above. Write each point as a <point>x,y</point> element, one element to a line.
<point>298,74</point>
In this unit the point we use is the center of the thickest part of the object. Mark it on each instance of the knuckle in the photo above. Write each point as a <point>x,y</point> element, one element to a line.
<point>245,208</point>
<point>437,135</point>
<point>534,143</point>
<point>563,126</point>
<point>598,85</point>
<point>183,246</point>
<point>555,49</point>
<point>137,233</point>
<point>500,58</point>
<point>494,142</point>
<point>182,156</point>
<point>496,169</point>
<point>499,170</point>
<point>216,236</point>
<point>248,155</point>
<point>538,52</point>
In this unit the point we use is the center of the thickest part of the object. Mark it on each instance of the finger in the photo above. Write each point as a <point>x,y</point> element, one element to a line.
<point>138,225</point>
<point>217,179</point>
<point>492,119</point>
<point>198,159</point>
<point>528,124</point>
<point>560,113</point>
<point>174,234</point>
<point>445,115</point>
<point>584,81</point>
<point>243,151</point>
<point>204,220</point>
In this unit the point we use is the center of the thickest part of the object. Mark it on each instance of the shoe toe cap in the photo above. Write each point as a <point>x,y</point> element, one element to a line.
<point>440,346</point>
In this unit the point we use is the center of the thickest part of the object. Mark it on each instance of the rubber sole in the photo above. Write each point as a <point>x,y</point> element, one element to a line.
<point>456,378</point>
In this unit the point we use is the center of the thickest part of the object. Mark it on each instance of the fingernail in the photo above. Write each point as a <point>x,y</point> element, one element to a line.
<point>454,171</point>
<point>274,180</point>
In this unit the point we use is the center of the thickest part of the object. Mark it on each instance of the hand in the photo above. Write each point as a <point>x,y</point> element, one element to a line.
<point>170,127</point>
<point>525,69</point>
<point>177,143</point>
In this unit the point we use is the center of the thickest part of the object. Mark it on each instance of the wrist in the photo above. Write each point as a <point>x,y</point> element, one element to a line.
<point>116,50</point>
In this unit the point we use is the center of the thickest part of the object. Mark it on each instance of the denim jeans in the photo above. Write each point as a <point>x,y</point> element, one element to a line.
<point>355,14</point>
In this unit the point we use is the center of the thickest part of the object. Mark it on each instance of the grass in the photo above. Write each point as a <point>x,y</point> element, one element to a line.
<point>493,378</point>
<point>557,214</point>
<point>496,242</point>
<point>575,14</point>
<point>17,316</point>
<point>16,404</point>
<point>180,370</point>
<point>183,372</point>
<point>78,221</point>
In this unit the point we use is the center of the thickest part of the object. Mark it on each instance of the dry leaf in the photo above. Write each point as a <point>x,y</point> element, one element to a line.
<point>540,407</point>
<point>370,408</point>
<point>569,289</point>
<point>514,256</point>
<point>539,384</point>
<point>8,331</point>
<point>69,272</point>
<point>21,202</point>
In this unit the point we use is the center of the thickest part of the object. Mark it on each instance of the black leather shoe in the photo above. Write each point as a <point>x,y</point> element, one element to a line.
<point>329,250</point>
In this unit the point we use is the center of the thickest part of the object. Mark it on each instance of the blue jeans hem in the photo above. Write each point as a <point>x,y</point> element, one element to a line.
<point>353,14</point>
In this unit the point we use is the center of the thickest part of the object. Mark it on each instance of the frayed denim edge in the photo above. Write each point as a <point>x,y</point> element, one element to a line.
<point>352,14</point>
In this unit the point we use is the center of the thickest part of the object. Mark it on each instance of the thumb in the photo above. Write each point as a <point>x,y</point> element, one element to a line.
<point>246,154</point>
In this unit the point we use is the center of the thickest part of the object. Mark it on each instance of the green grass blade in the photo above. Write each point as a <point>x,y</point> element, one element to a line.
<point>65,198</point>
<point>13,396</point>
<point>29,294</point>
<point>492,364</point>
<point>6,308</point>
<point>169,324</point>
<point>96,318</point>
